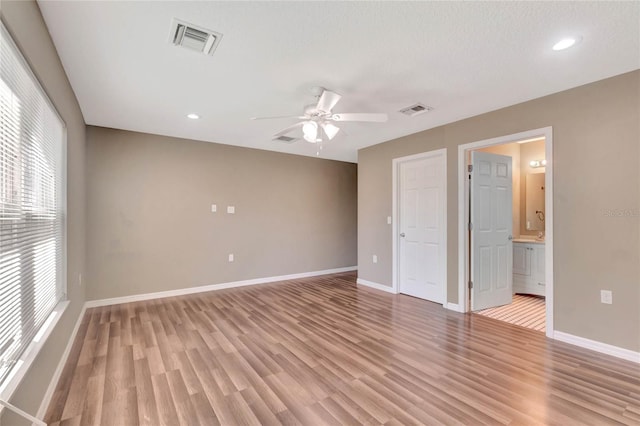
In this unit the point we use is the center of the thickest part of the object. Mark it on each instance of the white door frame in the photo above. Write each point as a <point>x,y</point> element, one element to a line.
<point>463,216</point>
<point>395,270</point>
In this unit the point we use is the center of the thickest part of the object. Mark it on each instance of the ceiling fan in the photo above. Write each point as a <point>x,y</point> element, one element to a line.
<point>318,119</point>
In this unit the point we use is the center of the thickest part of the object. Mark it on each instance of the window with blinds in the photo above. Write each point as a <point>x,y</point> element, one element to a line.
<point>32,206</point>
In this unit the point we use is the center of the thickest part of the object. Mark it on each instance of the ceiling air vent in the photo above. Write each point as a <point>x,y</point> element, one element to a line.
<point>193,37</point>
<point>285,139</point>
<point>416,109</point>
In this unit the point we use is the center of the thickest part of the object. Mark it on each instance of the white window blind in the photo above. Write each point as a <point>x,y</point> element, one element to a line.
<point>32,206</point>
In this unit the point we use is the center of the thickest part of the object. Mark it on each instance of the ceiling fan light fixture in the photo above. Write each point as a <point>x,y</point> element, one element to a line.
<point>317,119</point>
<point>310,131</point>
<point>330,130</point>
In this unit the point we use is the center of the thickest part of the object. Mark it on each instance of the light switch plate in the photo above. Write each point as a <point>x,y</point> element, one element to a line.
<point>375,258</point>
<point>606,296</point>
<point>214,208</point>
<point>231,209</point>
<point>231,257</point>
<point>388,220</point>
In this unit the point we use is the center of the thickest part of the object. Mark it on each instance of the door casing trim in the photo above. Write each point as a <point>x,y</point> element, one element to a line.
<point>395,216</point>
<point>463,216</point>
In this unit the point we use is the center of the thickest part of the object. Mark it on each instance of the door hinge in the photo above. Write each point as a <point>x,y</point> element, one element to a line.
<point>470,226</point>
<point>470,284</point>
<point>470,168</point>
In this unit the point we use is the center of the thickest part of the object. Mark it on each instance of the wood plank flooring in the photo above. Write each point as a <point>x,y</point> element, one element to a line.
<point>525,310</point>
<point>322,351</point>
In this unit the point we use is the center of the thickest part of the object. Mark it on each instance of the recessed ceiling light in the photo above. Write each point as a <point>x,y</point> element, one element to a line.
<point>193,116</point>
<point>565,43</point>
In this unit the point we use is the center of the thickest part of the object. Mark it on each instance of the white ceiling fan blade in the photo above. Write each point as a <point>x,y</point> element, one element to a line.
<point>365,116</point>
<point>288,129</point>
<point>279,116</point>
<point>327,101</point>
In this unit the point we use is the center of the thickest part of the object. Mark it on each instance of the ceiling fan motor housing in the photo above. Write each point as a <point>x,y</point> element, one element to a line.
<point>312,111</point>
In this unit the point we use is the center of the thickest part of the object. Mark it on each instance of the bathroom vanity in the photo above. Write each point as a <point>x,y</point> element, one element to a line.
<point>528,266</point>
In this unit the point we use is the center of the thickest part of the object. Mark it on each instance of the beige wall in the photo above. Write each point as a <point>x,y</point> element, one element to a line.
<point>150,226</point>
<point>596,134</point>
<point>24,22</point>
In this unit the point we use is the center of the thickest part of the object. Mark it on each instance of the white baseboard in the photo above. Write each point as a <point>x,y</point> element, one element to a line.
<point>604,348</point>
<point>46,399</point>
<point>377,286</point>
<point>454,307</point>
<point>212,287</point>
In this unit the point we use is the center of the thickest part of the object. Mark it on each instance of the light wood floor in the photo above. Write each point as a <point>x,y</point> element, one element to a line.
<point>525,310</point>
<point>323,351</point>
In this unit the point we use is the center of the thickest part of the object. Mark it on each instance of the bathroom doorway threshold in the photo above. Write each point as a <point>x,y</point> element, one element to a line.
<point>526,311</point>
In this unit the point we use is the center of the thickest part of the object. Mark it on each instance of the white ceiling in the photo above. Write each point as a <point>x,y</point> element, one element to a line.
<point>463,59</point>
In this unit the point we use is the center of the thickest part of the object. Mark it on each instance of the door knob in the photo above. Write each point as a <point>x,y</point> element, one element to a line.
<point>510,237</point>
<point>402,234</point>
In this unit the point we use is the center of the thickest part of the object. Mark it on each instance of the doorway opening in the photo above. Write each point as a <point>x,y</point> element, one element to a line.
<point>505,197</point>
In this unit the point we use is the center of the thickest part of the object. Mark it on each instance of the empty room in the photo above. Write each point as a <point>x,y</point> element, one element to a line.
<point>309,213</point>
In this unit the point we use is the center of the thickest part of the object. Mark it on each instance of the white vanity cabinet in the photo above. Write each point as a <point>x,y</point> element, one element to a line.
<point>528,268</point>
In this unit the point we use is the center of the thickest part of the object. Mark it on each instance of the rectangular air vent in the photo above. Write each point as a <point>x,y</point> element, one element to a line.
<point>193,37</point>
<point>416,109</point>
<point>285,139</point>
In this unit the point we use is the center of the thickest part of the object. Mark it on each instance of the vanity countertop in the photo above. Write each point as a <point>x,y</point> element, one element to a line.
<point>528,239</point>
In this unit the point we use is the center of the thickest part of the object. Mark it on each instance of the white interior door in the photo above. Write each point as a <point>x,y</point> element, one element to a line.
<point>491,239</point>
<point>422,233</point>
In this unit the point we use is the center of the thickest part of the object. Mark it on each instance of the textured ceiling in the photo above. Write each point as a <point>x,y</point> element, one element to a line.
<point>463,59</point>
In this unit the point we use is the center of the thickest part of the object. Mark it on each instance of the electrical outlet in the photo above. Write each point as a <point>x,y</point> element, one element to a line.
<point>214,208</point>
<point>80,280</point>
<point>231,209</point>
<point>231,257</point>
<point>388,220</point>
<point>606,296</point>
<point>375,258</point>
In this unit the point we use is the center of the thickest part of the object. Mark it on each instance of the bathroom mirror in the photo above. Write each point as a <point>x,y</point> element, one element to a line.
<point>534,201</point>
